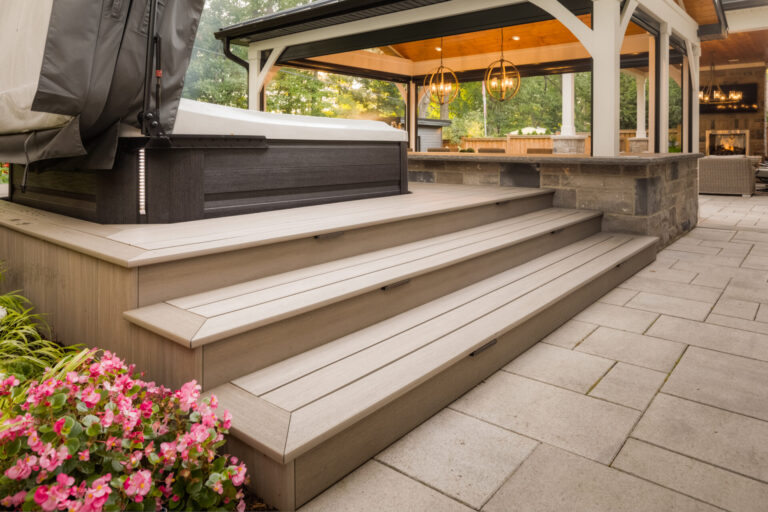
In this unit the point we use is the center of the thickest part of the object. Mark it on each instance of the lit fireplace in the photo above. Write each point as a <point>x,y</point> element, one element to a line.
<point>727,142</point>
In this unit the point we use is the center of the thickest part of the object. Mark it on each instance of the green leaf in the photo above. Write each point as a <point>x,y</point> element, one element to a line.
<point>173,505</point>
<point>213,478</point>
<point>86,467</point>
<point>73,445</point>
<point>49,437</point>
<point>90,420</point>
<point>117,467</point>
<point>12,448</point>
<point>81,407</point>
<point>45,428</point>
<point>58,400</point>
<point>194,487</point>
<point>93,430</point>
<point>76,429</point>
<point>219,464</point>
<point>153,458</point>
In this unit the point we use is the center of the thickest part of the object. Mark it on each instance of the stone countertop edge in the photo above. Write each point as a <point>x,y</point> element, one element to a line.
<point>551,159</point>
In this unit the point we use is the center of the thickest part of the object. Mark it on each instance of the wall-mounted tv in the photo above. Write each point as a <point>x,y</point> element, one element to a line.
<point>748,102</point>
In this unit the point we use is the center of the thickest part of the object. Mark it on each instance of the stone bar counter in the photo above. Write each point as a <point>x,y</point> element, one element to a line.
<point>650,194</point>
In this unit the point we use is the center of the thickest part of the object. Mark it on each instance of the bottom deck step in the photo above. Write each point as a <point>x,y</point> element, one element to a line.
<point>305,422</point>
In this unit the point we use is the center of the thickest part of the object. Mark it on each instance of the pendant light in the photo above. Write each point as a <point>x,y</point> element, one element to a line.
<point>502,79</point>
<point>442,84</point>
<point>713,94</point>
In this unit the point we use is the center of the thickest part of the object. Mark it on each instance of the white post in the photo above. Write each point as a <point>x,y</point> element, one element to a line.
<point>652,95</point>
<point>640,84</point>
<point>663,92</point>
<point>694,66</point>
<point>413,116</point>
<point>254,70</point>
<point>569,105</point>
<point>605,77</point>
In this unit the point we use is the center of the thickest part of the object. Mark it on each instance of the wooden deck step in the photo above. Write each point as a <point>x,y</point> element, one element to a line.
<point>354,292</point>
<point>309,420</point>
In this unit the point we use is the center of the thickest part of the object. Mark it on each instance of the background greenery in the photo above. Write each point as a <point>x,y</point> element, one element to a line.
<point>215,79</point>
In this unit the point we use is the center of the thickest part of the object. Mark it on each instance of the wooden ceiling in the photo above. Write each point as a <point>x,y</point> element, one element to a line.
<point>703,11</point>
<point>744,46</point>
<point>532,35</point>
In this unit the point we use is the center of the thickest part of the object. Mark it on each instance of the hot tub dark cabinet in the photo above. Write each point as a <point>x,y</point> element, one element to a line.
<point>196,177</point>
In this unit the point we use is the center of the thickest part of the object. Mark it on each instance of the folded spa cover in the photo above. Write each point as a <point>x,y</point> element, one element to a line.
<point>71,71</point>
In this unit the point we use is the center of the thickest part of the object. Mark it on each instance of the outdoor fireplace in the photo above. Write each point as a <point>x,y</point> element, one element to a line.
<point>727,142</point>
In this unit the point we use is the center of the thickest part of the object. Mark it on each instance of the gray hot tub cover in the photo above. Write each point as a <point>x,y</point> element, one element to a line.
<point>75,71</point>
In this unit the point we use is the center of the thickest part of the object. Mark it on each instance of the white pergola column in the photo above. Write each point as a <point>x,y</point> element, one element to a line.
<point>652,95</point>
<point>640,85</point>
<point>663,93</point>
<point>412,109</point>
<point>685,84</point>
<point>605,76</point>
<point>569,105</point>
<point>258,75</point>
<point>694,55</point>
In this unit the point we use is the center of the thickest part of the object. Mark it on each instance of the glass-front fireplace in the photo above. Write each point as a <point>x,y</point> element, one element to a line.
<point>727,142</point>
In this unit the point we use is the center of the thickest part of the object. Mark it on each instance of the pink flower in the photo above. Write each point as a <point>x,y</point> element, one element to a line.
<point>239,477</point>
<point>100,486</point>
<point>90,397</point>
<point>227,420</point>
<point>84,455</point>
<point>59,425</point>
<point>108,418</point>
<point>217,487</point>
<point>65,480</point>
<point>188,395</point>
<point>241,506</point>
<point>112,442</point>
<point>34,442</point>
<point>22,469</point>
<point>15,500</point>
<point>138,485</point>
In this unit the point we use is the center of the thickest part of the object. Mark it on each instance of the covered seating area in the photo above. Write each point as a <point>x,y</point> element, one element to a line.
<point>405,41</point>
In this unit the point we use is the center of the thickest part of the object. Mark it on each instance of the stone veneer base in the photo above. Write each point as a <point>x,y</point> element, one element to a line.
<point>650,195</point>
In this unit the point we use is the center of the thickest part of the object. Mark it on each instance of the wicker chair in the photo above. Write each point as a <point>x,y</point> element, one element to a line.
<point>726,175</point>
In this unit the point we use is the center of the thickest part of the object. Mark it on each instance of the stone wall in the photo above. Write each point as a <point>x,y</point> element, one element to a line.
<point>754,121</point>
<point>659,199</point>
<point>654,195</point>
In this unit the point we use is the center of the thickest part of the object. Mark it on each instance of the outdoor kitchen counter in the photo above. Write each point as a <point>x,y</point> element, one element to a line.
<point>649,194</point>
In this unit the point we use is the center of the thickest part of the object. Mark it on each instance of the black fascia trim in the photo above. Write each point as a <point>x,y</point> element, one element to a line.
<point>298,15</point>
<point>646,22</point>
<point>347,70</point>
<point>506,16</point>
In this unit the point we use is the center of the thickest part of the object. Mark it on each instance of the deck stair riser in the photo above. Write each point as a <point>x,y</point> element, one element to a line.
<point>251,256</point>
<point>319,304</point>
<point>309,420</point>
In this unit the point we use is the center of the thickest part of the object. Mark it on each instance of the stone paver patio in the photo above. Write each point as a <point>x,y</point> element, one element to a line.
<point>654,398</point>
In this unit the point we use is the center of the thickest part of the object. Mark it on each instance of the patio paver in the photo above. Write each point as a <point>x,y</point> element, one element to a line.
<point>712,435</point>
<point>654,353</point>
<point>569,369</point>
<point>733,383</point>
<point>461,456</point>
<point>553,479</point>
<point>694,478</point>
<point>629,385</point>
<point>679,422</point>
<point>376,487</point>
<point>593,428</point>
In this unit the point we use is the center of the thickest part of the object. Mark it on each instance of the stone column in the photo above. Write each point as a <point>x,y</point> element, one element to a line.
<point>568,141</point>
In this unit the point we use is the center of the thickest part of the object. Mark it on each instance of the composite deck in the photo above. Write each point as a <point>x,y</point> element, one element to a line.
<point>329,331</point>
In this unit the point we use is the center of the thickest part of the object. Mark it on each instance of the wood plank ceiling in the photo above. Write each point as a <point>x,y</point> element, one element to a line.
<point>531,35</point>
<point>744,47</point>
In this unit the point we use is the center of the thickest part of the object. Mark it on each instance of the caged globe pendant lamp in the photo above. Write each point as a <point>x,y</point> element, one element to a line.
<point>442,84</point>
<point>502,79</point>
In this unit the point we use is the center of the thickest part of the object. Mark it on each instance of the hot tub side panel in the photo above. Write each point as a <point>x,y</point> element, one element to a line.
<point>203,177</point>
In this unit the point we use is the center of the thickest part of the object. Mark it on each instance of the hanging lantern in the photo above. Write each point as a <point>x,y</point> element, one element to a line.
<point>713,94</point>
<point>502,79</point>
<point>442,84</point>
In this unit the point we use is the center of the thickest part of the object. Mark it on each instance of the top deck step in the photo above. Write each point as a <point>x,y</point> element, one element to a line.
<point>141,245</point>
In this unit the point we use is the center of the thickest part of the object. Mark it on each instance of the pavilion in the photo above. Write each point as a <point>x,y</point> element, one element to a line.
<point>540,37</point>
